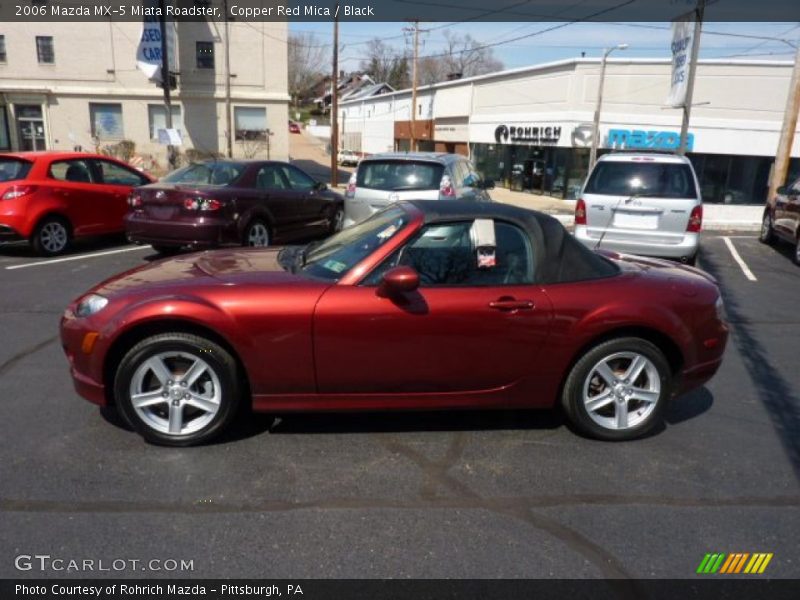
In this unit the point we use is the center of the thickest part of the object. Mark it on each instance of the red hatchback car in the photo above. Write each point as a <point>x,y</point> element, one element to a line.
<point>425,305</point>
<point>50,198</point>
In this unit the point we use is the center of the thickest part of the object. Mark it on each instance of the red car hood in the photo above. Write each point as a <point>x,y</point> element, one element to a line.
<point>214,268</point>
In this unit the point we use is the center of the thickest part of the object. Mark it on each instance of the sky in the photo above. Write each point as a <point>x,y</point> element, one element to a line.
<point>719,40</point>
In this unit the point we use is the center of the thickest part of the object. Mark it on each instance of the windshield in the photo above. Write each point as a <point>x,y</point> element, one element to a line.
<point>12,169</point>
<point>398,175</point>
<point>209,173</point>
<point>338,254</point>
<point>662,180</point>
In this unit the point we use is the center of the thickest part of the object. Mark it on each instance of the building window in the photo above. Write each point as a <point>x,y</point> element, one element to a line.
<point>250,122</point>
<point>45,50</point>
<point>156,115</point>
<point>3,56</point>
<point>205,55</point>
<point>106,121</point>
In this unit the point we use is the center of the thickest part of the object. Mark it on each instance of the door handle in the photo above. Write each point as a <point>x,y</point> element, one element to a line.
<point>510,304</point>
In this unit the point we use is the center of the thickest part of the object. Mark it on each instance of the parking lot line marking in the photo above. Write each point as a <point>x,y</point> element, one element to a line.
<point>745,269</point>
<point>79,257</point>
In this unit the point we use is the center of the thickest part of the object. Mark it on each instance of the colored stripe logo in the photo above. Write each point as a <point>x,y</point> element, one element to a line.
<point>737,562</point>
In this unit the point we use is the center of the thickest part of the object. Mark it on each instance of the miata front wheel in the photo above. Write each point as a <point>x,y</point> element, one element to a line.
<point>618,389</point>
<point>177,389</point>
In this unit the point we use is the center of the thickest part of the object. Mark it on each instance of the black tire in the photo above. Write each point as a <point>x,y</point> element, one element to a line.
<point>692,260</point>
<point>177,351</point>
<point>796,257</point>
<point>255,232</point>
<point>166,250</point>
<point>767,234</point>
<point>336,220</point>
<point>583,376</point>
<point>53,236</point>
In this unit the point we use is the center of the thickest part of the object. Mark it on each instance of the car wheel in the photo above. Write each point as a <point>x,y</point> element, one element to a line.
<point>797,251</point>
<point>337,220</point>
<point>618,389</point>
<point>177,389</point>
<point>257,235</point>
<point>767,235</point>
<point>52,237</point>
<point>692,260</point>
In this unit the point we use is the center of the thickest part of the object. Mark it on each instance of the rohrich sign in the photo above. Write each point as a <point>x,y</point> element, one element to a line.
<point>640,139</point>
<point>528,134</point>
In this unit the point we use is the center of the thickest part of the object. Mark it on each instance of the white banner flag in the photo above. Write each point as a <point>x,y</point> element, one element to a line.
<point>682,32</point>
<point>148,53</point>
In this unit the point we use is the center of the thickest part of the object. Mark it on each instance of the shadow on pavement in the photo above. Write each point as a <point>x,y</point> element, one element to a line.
<point>79,246</point>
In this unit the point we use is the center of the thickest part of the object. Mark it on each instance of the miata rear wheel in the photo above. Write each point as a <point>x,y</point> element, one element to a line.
<point>618,389</point>
<point>177,389</point>
<point>257,235</point>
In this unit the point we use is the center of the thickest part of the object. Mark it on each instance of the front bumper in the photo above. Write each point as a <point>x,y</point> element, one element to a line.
<point>202,232</point>
<point>85,368</point>
<point>667,246</point>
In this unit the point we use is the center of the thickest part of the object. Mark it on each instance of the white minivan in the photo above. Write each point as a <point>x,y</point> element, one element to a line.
<point>646,204</point>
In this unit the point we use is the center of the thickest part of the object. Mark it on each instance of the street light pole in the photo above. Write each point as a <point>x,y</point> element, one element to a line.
<point>599,104</point>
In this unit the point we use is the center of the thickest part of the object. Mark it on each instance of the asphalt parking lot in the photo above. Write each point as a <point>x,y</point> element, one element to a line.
<point>479,495</point>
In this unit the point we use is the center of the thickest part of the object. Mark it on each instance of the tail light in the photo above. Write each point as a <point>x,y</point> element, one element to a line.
<point>580,212</point>
<point>351,186</point>
<point>135,200</point>
<point>446,187</point>
<point>696,220</point>
<point>18,191</point>
<point>201,204</point>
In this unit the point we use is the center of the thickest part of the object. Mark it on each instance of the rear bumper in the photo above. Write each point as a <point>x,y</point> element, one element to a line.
<point>201,232</point>
<point>683,247</point>
<point>9,234</point>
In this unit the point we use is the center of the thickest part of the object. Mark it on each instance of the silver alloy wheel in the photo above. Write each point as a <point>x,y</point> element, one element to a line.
<point>53,237</point>
<point>621,390</point>
<point>797,251</point>
<point>338,220</point>
<point>176,393</point>
<point>766,225</point>
<point>258,235</point>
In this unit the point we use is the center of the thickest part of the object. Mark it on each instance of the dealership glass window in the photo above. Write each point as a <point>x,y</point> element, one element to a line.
<point>205,55</point>
<point>3,56</point>
<point>156,115</point>
<point>5,143</point>
<point>250,122</point>
<point>45,51</point>
<point>106,120</point>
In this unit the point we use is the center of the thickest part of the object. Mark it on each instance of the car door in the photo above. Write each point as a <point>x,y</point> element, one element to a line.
<point>74,186</point>
<point>310,203</point>
<point>115,182</point>
<point>465,328</point>
<point>274,197</point>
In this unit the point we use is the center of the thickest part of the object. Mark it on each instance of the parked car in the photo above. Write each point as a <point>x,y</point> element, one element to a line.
<point>646,204</point>
<point>294,127</point>
<point>347,158</point>
<point>781,219</point>
<point>425,305</point>
<point>385,178</point>
<point>51,198</point>
<point>213,202</point>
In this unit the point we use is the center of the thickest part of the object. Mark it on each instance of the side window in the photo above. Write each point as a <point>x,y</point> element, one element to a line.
<point>298,180</point>
<point>443,256</point>
<point>114,174</point>
<point>270,178</point>
<point>77,171</point>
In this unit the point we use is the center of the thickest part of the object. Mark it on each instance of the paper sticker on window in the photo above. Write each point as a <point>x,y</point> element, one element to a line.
<point>486,258</point>
<point>387,233</point>
<point>335,266</point>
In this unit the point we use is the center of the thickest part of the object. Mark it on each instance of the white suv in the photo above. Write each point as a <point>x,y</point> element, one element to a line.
<point>647,204</point>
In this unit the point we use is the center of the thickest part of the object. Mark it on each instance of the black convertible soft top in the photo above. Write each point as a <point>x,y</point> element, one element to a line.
<point>558,256</point>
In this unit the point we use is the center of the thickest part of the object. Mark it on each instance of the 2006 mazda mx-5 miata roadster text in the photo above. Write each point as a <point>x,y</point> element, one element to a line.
<point>425,305</point>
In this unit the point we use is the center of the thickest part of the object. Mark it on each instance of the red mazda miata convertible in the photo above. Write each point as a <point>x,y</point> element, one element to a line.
<point>425,305</point>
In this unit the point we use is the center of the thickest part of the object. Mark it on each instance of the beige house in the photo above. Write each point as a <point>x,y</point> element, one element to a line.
<point>59,90</point>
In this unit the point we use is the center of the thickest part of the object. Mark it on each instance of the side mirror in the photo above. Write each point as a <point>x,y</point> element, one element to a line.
<point>399,280</point>
<point>321,186</point>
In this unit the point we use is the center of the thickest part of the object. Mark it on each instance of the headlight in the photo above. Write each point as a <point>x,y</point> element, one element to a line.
<point>91,304</point>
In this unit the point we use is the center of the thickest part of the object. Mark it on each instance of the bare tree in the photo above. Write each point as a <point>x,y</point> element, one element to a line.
<point>461,56</point>
<point>307,58</point>
<point>385,63</point>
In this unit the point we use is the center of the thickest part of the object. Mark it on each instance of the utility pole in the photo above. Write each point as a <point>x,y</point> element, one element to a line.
<point>229,134</point>
<point>599,104</point>
<point>335,107</point>
<point>687,103</point>
<point>784,154</point>
<point>413,137</point>
<point>166,82</point>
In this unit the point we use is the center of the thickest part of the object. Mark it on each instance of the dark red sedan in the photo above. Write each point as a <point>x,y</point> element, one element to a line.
<point>425,305</point>
<point>248,203</point>
<point>51,198</point>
